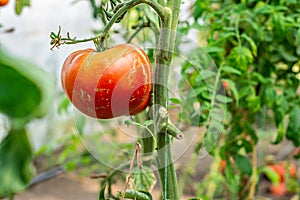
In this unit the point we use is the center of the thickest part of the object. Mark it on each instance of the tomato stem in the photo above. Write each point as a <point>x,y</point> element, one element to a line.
<point>126,6</point>
<point>163,60</point>
<point>253,179</point>
<point>57,40</point>
<point>173,131</point>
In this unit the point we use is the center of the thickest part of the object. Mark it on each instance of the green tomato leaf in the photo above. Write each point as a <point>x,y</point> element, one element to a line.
<point>18,95</point>
<point>269,96</point>
<point>144,179</point>
<point>175,101</point>
<point>218,114</point>
<point>232,179</point>
<point>251,132</point>
<point>240,57</point>
<point>26,91</point>
<point>231,70</point>
<point>196,91</point>
<point>213,49</point>
<point>232,87</point>
<point>211,138</point>
<point>253,103</point>
<point>247,146</point>
<point>15,162</point>
<point>293,130</point>
<point>263,8</point>
<point>243,164</point>
<point>20,4</point>
<point>288,56</point>
<point>198,198</point>
<point>225,36</point>
<point>200,7</point>
<point>136,195</point>
<point>298,36</point>
<point>280,109</point>
<point>205,74</point>
<point>218,125</point>
<point>251,42</point>
<point>146,193</point>
<point>63,104</point>
<point>259,77</point>
<point>280,133</point>
<point>279,22</point>
<point>148,122</point>
<point>223,99</point>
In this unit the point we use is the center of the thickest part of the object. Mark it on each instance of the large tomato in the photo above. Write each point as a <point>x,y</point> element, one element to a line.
<point>3,2</point>
<point>115,82</point>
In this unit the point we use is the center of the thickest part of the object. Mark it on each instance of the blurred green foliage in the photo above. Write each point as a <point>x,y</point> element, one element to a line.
<point>26,92</point>
<point>255,45</point>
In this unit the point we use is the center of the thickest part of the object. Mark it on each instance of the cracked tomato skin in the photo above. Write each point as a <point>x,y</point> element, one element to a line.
<point>108,84</point>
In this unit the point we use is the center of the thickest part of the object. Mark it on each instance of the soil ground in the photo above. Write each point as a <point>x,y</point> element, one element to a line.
<point>72,186</point>
<point>69,186</point>
<point>65,186</point>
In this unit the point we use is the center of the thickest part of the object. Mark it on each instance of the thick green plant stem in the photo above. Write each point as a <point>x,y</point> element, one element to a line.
<point>254,176</point>
<point>163,60</point>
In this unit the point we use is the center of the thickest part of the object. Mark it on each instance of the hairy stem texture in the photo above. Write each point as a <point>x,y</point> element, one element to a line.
<point>163,61</point>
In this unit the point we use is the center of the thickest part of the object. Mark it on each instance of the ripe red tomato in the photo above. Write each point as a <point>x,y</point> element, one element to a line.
<point>3,2</point>
<point>108,84</point>
<point>278,190</point>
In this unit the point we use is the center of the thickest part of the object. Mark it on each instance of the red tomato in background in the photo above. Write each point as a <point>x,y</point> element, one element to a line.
<point>281,169</point>
<point>3,2</point>
<point>108,84</point>
<point>278,190</point>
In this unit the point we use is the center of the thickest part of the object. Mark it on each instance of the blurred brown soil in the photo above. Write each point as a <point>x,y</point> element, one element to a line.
<point>65,186</point>
<point>71,186</point>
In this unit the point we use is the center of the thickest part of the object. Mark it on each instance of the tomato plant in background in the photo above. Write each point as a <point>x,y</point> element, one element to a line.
<point>282,176</point>
<point>256,46</point>
<point>95,82</point>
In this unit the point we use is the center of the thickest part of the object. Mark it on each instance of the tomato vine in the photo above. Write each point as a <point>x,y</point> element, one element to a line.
<point>57,40</point>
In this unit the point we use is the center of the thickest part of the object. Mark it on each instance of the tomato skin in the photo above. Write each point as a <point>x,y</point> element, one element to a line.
<point>3,2</point>
<point>108,84</point>
<point>278,190</point>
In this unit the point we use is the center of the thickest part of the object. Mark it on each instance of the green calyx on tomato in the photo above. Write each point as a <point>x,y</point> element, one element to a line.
<point>108,84</point>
